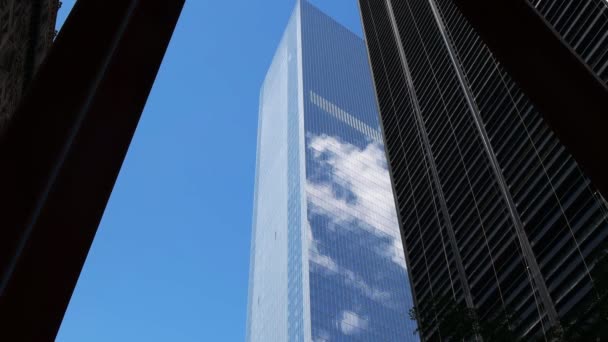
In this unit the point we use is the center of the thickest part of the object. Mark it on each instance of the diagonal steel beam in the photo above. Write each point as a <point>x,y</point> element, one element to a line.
<point>570,97</point>
<point>62,153</point>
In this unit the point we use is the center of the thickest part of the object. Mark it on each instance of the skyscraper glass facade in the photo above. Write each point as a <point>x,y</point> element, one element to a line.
<point>495,212</point>
<point>583,25</point>
<point>327,262</point>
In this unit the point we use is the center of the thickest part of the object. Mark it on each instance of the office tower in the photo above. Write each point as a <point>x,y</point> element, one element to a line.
<point>493,210</point>
<point>583,26</point>
<point>326,256</point>
<point>27,29</point>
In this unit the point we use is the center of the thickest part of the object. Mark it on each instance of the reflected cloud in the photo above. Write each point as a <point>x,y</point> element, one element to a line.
<point>356,259</point>
<point>322,336</point>
<point>351,323</point>
<point>358,192</point>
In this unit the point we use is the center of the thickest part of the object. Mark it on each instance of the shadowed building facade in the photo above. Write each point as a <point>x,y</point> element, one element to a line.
<point>327,262</point>
<point>27,29</point>
<point>583,26</point>
<point>494,212</point>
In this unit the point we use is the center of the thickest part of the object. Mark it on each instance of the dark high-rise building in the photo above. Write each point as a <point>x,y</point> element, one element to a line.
<point>494,212</point>
<point>583,26</point>
<point>327,261</point>
<point>27,29</point>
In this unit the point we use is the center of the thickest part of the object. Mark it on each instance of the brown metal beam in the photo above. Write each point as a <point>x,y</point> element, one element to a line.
<point>570,97</point>
<point>62,153</point>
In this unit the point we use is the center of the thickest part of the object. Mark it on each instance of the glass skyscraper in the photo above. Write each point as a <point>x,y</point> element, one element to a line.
<point>583,26</point>
<point>327,262</point>
<point>495,212</point>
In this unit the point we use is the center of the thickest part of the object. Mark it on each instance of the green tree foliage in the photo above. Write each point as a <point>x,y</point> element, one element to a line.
<point>589,321</point>
<point>456,322</point>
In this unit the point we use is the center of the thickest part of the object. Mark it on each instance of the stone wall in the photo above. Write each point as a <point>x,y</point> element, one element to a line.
<point>27,30</point>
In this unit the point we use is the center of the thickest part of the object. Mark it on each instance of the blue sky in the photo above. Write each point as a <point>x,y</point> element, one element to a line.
<point>170,261</point>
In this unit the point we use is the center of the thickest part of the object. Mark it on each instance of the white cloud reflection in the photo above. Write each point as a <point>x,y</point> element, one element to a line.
<point>351,323</point>
<point>363,172</point>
